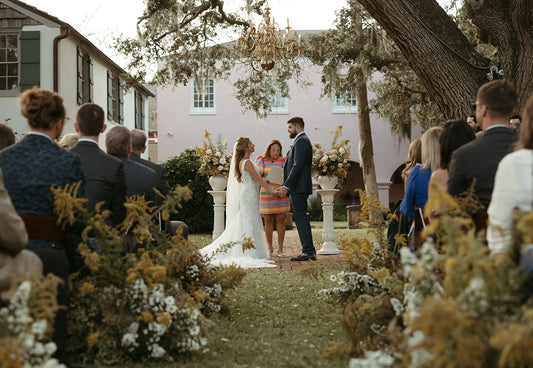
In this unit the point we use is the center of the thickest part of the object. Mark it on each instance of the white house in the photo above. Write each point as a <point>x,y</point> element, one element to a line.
<point>37,49</point>
<point>183,114</point>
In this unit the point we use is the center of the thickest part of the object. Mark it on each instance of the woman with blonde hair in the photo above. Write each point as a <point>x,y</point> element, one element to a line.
<point>273,207</point>
<point>416,190</point>
<point>414,156</point>
<point>244,225</point>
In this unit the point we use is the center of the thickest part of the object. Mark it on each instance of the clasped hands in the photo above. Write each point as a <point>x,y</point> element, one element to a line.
<point>280,192</point>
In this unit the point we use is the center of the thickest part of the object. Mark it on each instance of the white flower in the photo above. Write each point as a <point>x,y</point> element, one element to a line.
<point>157,351</point>
<point>208,152</point>
<point>333,278</point>
<point>223,161</point>
<point>342,151</point>
<point>218,154</point>
<point>397,306</point>
<point>220,168</point>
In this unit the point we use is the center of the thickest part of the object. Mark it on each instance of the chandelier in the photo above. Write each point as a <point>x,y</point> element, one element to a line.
<point>267,44</point>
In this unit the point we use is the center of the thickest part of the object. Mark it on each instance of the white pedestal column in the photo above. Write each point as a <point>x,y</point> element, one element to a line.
<point>219,198</point>
<point>383,192</point>
<point>328,231</point>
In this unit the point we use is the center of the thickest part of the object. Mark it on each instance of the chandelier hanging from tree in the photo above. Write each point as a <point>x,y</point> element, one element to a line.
<point>267,45</point>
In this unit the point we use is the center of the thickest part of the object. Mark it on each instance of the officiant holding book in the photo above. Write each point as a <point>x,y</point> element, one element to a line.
<point>270,166</point>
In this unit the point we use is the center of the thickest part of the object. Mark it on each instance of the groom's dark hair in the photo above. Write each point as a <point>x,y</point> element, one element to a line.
<point>297,121</point>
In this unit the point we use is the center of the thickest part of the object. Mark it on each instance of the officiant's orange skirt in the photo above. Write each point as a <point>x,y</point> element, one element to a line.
<point>269,204</point>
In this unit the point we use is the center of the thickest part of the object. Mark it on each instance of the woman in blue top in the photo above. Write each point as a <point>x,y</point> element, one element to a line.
<point>416,189</point>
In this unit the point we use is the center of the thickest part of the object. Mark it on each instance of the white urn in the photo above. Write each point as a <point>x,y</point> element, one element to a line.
<point>328,181</point>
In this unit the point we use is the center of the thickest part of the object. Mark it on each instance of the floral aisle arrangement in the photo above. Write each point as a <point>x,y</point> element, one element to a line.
<point>25,325</point>
<point>152,304</point>
<point>215,160</point>
<point>448,305</point>
<point>335,161</point>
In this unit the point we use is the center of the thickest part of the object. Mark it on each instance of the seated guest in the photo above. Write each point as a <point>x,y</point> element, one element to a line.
<point>479,159</point>
<point>415,157</point>
<point>140,180</point>
<point>104,174</point>
<point>7,137</point>
<point>138,146</point>
<point>513,188</point>
<point>514,124</point>
<point>30,167</point>
<point>68,140</point>
<point>15,261</point>
<point>454,134</point>
<point>416,191</point>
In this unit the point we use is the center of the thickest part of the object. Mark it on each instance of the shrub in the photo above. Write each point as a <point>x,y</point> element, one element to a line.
<point>182,170</point>
<point>314,208</point>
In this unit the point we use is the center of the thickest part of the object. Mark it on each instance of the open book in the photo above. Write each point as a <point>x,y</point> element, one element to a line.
<point>275,175</point>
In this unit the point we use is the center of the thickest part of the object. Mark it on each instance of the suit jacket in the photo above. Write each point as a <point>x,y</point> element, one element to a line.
<point>105,178</point>
<point>161,182</point>
<point>297,170</point>
<point>30,167</point>
<point>479,159</point>
<point>140,179</point>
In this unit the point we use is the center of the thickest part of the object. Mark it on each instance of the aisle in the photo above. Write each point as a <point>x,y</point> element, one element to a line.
<point>275,319</point>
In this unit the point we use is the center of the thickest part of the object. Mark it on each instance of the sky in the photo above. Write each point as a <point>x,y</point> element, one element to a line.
<point>99,20</point>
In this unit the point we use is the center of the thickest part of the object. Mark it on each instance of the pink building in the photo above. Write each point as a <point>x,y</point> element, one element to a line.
<point>183,115</point>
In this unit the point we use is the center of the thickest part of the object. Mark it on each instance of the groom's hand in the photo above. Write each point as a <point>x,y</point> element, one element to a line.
<point>281,192</point>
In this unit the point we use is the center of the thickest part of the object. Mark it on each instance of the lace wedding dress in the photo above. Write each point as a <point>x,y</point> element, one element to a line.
<point>246,222</point>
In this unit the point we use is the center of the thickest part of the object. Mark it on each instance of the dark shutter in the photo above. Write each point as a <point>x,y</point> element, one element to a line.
<point>110,106</point>
<point>142,102</point>
<point>91,78</point>
<point>79,75</point>
<point>30,58</point>
<point>136,104</point>
<point>120,102</point>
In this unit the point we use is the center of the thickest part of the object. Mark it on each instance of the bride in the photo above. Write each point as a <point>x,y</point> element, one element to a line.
<point>242,215</point>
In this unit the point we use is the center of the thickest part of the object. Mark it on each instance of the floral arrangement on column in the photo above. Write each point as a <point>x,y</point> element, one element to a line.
<point>215,160</point>
<point>333,162</point>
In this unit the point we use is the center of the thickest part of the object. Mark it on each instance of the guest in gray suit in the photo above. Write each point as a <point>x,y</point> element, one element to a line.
<point>138,146</point>
<point>140,179</point>
<point>103,173</point>
<point>298,186</point>
<point>479,159</point>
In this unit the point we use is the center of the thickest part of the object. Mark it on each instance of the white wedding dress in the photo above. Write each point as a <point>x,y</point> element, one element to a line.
<point>245,223</point>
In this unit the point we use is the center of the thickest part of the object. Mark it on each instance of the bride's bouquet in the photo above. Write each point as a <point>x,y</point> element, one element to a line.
<point>215,161</point>
<point>335,161</point>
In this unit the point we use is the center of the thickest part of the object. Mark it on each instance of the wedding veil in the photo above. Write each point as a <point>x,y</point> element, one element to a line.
<point>233,190</point>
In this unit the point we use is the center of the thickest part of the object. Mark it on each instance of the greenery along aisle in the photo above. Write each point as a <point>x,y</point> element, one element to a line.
<point>274,319</point>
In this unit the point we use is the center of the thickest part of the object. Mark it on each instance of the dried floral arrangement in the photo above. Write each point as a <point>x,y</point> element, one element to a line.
<point>448,305</point>
<point>152,304</point>
<point>215,160</point>
<point>26,324</point>
<point>335,161</point>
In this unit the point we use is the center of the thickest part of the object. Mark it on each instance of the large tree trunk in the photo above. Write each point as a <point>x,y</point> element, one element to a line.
<point>366,147</point>
<point>448,66</point>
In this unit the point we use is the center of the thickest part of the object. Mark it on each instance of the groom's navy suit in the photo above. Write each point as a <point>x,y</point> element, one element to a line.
<point>297,174</point>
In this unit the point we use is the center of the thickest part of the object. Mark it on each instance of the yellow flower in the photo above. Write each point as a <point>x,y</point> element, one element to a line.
<point>92,339</point>
<point>86,288</point>
<point>146,317</point>
<point>206,134</point>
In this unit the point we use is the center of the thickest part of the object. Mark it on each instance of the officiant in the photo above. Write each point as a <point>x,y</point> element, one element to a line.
<point>270,166</point>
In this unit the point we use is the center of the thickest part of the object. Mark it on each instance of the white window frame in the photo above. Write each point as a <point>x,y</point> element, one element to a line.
<point>14,91</point>
<point>342,105</point>
<point>279,105</point>
<point>202,110</point>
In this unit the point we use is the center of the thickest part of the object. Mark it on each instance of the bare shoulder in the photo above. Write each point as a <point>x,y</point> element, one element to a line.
<point>440,178</point>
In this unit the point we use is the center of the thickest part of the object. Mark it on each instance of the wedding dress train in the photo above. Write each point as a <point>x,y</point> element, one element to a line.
<point>245,223</point>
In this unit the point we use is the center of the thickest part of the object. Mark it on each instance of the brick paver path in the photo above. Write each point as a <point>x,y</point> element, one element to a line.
<point>292,247</point>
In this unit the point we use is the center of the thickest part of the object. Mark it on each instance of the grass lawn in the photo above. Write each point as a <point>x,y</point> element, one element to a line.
<point>274,319</point>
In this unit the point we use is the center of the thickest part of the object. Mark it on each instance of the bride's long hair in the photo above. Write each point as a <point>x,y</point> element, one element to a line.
<point>240,150</point>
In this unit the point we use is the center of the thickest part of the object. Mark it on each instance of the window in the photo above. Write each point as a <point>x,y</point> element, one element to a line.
<point>115,99</point>
<point>203,99</point>
<point>344,103</point>
<point>85,79</point>
<point>139,110</point>
<point>9,62</point>
<point>279,104</point>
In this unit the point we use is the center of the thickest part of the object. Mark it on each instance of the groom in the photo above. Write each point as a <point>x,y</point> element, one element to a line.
<point>297,184</point>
